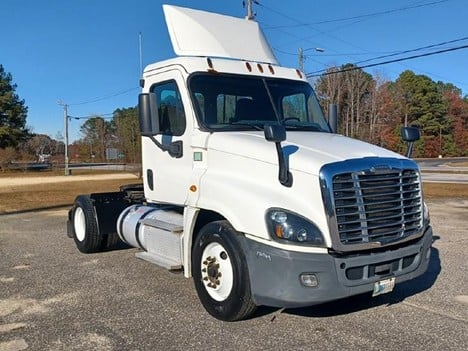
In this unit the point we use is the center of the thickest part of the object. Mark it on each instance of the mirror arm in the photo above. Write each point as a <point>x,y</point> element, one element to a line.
<point>174,149</point>
<point>277,133</point>
<point>284,176</point>
<point>410,149</point>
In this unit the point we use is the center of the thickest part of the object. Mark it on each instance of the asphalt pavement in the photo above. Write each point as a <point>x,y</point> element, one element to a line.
<point>444,170</point>
<point>436,177</point>
<point>52,297</point>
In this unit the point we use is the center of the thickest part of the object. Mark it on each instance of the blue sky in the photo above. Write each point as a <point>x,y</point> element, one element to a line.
<point>85,52</point>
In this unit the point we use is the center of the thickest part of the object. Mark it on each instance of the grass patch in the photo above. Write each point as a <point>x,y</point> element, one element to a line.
<point>445,190</point>
<point>29,197</point>
<point>58,172</point>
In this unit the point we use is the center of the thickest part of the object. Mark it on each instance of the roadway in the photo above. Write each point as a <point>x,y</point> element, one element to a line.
<point>444,170</point>
<point>52,297</point>
<point>458,178</point>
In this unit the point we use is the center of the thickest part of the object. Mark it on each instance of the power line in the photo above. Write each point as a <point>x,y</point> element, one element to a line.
<point>105,97</point>
<point>413,50</point>
<point>343,41</point>
<point>111,114</point>
<point>318,74</point>
<point>373,14</point>
<point>315,29</point>
<point>301,23</point>
<point>387,54</point>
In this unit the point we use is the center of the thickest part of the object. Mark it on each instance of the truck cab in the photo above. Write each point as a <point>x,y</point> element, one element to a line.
<point>248,190</point>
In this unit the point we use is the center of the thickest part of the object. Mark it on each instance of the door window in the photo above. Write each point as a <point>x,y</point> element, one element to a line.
<point>170,108</point>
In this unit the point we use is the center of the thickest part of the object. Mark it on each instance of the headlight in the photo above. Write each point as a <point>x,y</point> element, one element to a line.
<point>286,226</point>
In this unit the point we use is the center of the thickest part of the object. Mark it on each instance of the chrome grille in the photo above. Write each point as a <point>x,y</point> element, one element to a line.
<point>372,203</point>
<point>377,207</point>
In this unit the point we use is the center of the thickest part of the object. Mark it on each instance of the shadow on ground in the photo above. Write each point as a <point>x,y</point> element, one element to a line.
<point>366,301</point>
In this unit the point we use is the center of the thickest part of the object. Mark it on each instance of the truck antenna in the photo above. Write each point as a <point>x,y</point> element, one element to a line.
<point>142,81</point>
<point>140,54</point>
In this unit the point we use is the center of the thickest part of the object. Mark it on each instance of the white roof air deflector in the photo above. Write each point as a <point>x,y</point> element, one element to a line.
<point>200,33</point>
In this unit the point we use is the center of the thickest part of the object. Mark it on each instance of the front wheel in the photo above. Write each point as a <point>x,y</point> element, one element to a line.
<point>220,273</point>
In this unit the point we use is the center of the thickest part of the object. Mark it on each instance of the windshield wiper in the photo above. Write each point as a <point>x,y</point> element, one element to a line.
<point>302,127</point>
<point>254,124</point>
<point>295,125</point>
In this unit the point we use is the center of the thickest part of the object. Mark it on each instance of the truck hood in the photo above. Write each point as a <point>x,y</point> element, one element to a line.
<point>306,151</point>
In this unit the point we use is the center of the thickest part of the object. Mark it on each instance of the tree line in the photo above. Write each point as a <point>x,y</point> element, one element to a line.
<point>370,108</point>
<point>374,110</point>
<point>99,135</point>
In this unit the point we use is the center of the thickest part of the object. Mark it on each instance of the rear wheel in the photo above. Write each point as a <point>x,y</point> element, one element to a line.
<point>85,228</point>
<point>220,273</point>
<point>111,241</point>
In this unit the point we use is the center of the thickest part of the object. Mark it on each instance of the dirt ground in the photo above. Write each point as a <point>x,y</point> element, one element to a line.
<point>26,193</point>
<point>6,182</point>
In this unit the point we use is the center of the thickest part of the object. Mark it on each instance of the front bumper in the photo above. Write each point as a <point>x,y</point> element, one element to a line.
<point>275,273</point>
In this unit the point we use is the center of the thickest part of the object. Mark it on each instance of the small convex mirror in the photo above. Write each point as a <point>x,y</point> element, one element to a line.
<point>275,133</point>
<point>410,134</point>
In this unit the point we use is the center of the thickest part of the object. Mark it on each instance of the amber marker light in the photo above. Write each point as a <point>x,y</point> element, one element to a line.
<point>279,231</point>
<point>193,188</point>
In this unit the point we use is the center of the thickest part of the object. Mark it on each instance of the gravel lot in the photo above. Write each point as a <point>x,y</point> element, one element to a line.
<point>54,298</point>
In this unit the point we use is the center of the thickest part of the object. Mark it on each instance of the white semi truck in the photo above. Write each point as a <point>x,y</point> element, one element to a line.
<point>248,190</point>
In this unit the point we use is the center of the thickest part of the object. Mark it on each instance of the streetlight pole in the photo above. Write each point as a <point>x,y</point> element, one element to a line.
<point>65,117</point>
<point>302,57</point>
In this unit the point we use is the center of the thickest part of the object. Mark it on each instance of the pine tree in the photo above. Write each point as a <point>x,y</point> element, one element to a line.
<point>12,113</point>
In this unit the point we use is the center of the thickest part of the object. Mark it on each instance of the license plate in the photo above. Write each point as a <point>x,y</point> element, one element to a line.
<point>383,286</point>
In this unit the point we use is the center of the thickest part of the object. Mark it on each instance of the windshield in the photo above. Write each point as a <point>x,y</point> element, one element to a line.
<point>239,102</point>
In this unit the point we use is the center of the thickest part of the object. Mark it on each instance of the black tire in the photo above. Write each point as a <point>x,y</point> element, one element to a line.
<point>85,227</point>
<point>112,241</point>
<point>220,273</point>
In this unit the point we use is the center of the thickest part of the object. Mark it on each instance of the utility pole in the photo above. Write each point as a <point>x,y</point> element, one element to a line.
<point>301,60</point>
<point>301,57</point>
<point>250,15</point>
<point>440,140</point>
<point>65,117</point>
